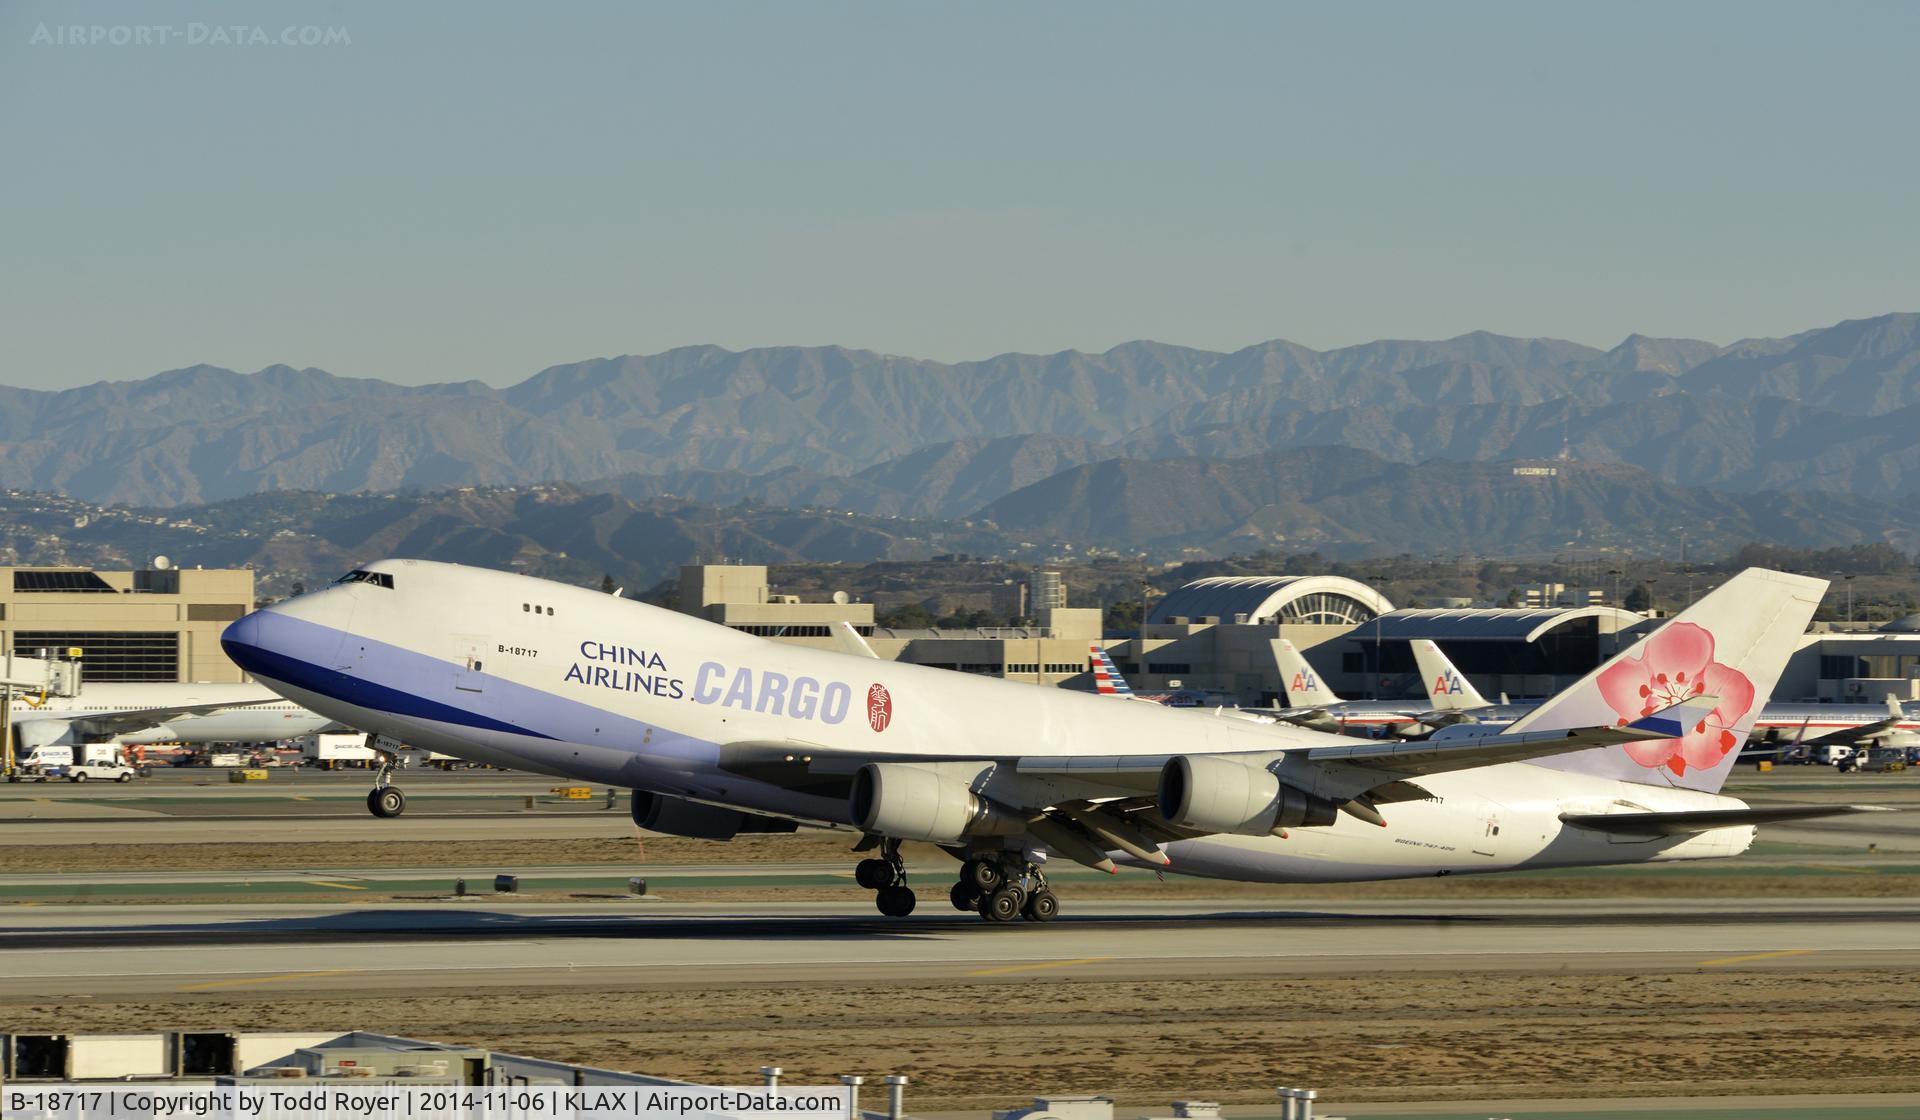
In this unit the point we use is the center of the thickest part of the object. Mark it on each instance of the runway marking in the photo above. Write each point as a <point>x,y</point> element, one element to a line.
<point>1842,867</point>
<point>210,985</point>
<point>326,883</point>
<point>1755,957</point>
<point>1005,969</point>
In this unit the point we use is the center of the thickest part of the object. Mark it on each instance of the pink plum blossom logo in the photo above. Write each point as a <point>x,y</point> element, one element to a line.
<point>1679,665</point>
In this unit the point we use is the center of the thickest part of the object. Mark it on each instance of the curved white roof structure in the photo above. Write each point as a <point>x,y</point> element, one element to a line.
<point>1528,624</point>
<point>1296,600</point>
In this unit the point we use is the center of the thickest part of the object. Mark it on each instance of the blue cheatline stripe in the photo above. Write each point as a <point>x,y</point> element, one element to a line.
<point>359,691</point>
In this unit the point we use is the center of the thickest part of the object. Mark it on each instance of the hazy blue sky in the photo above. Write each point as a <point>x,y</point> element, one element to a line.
<point>480,190</point>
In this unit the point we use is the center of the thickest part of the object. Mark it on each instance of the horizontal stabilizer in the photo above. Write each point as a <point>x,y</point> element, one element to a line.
<point>1700,820</point>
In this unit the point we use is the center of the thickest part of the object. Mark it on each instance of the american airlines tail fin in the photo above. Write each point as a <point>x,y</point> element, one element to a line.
<point>1107,680</point>
<point>1732,644</point>
<point>1447,690</point>
<point>1304,689</point>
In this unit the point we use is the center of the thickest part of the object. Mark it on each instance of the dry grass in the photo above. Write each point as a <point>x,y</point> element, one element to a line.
<point>1381,1036</point>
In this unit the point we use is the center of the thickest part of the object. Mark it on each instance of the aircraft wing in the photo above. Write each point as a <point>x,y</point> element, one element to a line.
<point>1380,771</point>
<point>107,724</point>
<point>1426,756</point>
<point>1894,718</point>
<point>1700,820</point>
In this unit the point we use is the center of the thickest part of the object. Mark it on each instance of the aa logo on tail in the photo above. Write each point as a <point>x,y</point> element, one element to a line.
<point>1448,685</point>
<point>1303,681</point>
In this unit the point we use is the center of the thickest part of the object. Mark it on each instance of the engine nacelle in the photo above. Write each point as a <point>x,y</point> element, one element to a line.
<point>676,816</point>
<point>1210,794</point>
<point>909,802</point>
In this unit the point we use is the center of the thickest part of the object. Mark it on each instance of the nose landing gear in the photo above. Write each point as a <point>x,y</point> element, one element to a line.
<point>385,799</point>
<point>886,877</point>
<point>1004,888</point>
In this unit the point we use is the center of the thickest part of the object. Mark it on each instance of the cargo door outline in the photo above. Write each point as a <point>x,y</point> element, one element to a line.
<point>469,669</point>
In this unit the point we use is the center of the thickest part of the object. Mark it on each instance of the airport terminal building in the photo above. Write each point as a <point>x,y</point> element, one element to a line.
<point>152,624</point>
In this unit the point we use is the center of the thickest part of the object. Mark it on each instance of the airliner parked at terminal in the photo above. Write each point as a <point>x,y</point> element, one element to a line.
<point>1310,703</point>
<point>720,732</point>
<point>161,712</point>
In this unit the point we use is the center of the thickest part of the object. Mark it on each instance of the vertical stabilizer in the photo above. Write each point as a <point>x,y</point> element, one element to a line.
<point>1107,680</point>
<point>1732,644</point>
<point>1304,689</point>
<point>1447,690</point>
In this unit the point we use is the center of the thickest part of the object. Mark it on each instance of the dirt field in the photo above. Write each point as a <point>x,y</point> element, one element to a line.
<point>1384,1036</point>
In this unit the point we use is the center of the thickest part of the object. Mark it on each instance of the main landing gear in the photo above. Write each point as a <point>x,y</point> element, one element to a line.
<point>385,798</point>
<point>1004,887</point>
<point>886,877</point>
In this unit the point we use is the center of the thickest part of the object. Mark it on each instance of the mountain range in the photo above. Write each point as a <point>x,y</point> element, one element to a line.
<point>1823,412</point>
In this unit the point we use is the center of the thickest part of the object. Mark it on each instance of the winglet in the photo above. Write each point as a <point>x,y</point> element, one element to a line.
<point>1673,720</point>
<point>848,640</point>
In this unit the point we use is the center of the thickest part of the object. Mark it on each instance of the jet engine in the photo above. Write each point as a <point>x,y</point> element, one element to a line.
<point>676,816</point>
<point>1210,794</point>
<point>910,802</point>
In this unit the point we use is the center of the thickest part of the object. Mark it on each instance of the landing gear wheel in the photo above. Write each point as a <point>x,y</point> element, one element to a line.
<point>895,902</point>
<point>873,874</point>
<point>964,896</point>
<point>983,874</point>
<point>386,802</point>
<point>1002,905</point>
<point>1041,907</point>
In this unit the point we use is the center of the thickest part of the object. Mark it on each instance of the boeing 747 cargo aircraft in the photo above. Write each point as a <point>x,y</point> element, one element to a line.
<point>719,732</point>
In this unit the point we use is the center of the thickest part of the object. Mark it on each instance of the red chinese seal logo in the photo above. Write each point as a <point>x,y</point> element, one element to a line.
<point>879,707</point>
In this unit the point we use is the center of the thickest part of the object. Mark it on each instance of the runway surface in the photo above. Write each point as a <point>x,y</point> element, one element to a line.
<point>129,949</point>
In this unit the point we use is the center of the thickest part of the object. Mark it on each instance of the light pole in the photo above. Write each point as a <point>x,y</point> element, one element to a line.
<point>1848,580</point>
<point>1615,573</point>
<point>1376,638</point>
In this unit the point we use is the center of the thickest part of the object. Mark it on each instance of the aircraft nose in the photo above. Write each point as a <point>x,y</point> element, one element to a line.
<point>296,642</point>
<point>243,643</point>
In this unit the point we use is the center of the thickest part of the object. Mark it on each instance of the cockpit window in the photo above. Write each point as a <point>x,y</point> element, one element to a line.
<point>378,579</point>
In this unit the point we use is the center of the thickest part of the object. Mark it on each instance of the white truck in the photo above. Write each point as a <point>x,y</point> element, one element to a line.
<point>338,750</point>
<point>100,762</point>
<point>43,762</point>
<point>1831,754</point>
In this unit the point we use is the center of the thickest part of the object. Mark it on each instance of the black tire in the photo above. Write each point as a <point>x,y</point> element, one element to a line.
<point>1002,905</point>
<point>895,902</point>
<point>80,776</point>
<point>386,803</point>
<point>1042,907</point>
<point>964,896</point>
<point>983,874</point>
<point>125,776</point>
<point>873,874</point>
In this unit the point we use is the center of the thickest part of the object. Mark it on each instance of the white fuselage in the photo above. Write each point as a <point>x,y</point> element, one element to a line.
<point>524,673</point>
<point>266,715</point>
